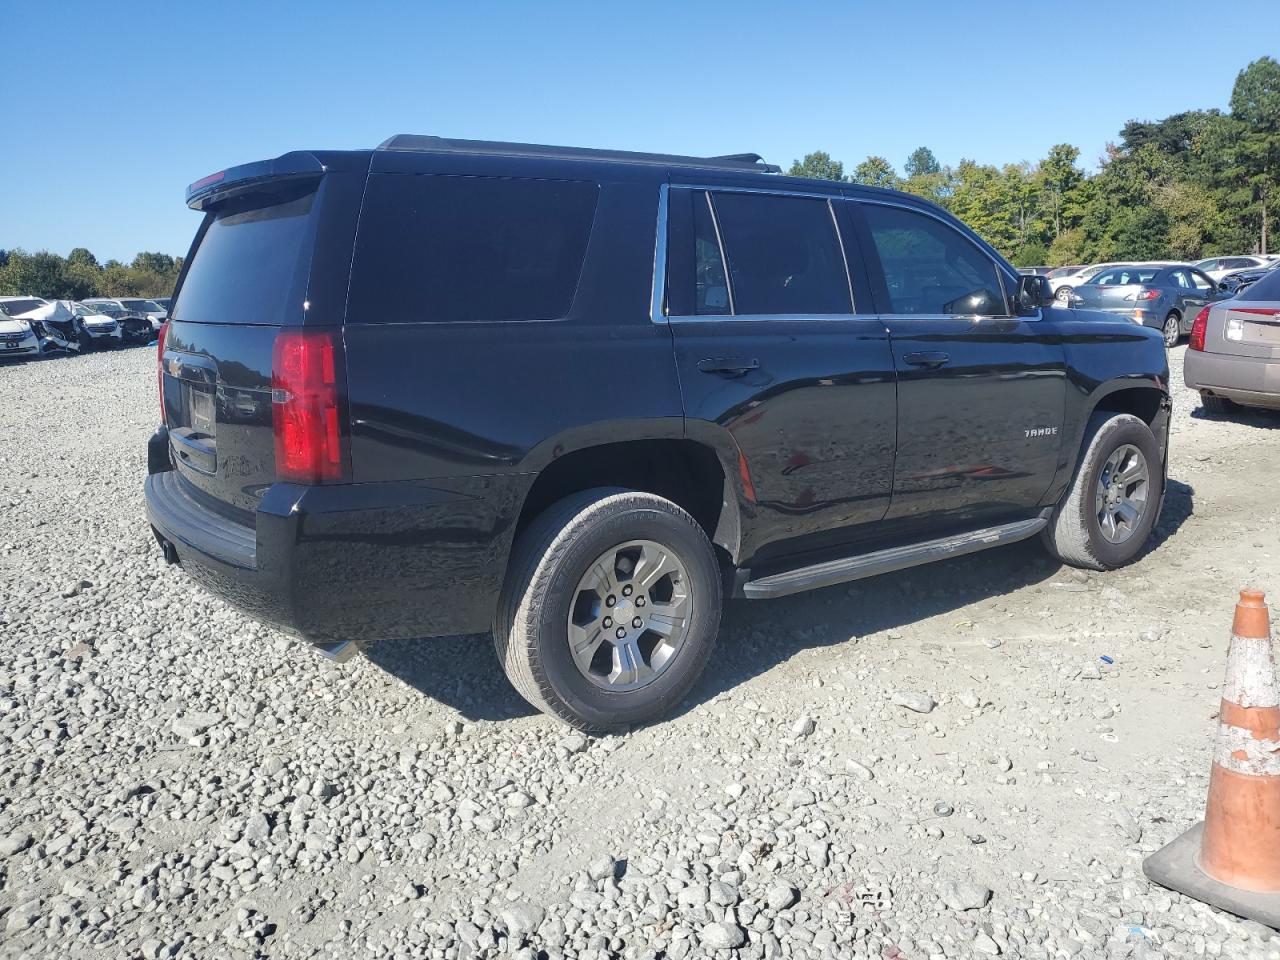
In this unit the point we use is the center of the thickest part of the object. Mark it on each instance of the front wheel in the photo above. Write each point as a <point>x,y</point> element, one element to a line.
<point>610,609</point>
<point>1106,517</point>
<point>1172,330</point>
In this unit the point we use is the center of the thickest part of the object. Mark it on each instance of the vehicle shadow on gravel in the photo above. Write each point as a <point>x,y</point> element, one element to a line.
<point>1249,416</point>
<point>464,672</point>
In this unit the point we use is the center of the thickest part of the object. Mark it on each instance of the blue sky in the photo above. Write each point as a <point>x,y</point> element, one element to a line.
<point>110,109</point>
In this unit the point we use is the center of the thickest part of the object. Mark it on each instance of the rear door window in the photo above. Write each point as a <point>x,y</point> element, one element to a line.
<point>469,249</point>
<point>249,264</point>
<point>784,255</point>
<point>931,268</point>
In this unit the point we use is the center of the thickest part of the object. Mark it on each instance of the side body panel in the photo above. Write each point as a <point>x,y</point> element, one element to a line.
<point>493,403</point>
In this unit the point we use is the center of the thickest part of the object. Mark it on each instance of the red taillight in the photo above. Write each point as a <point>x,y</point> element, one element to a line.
<point>1144,295</point>
<point>306,367</point>
<point>164,329</point>
<point>1198,328</point>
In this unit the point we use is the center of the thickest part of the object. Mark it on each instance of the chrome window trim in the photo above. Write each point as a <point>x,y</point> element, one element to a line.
<point>658,305</point>
<point>848,277</point>
<point>657,310</point>
<point>724,260</point>
<point>1000,273</point>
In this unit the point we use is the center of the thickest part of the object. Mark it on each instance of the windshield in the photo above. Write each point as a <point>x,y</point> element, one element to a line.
<point>1061,272</point>
<point>1121,276</point>
<point>14,307</point>
<point>1209,264</point>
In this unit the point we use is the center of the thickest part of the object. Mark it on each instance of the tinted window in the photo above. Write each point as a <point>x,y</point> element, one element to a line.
<point>1121,276</point>
<point>931,268</point>
<point>1179,279</point>
<point>444,248</point>
<point>244,269</point>
<point>1268,288</point>
<point>1201,281</point>
<point>784,255</point>
<point>710,288</point>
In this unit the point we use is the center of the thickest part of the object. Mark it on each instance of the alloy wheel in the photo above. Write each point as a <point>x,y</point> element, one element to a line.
<point>1121,498</point>
<point>630,615</point>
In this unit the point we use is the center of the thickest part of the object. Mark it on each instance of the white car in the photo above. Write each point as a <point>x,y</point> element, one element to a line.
<point>1219,267</point>
<point>102,329</point>
<point>129,312</point>
<point>17,339</point>
<point>1064,283</point>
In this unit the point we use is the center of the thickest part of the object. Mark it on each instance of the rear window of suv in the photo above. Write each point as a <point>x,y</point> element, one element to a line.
<point>246,266</point>
<point>438,248</point>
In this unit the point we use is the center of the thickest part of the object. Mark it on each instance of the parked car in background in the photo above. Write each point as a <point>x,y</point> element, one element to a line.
<point>1035,271</point>
<point>1218,267</point>
<point>1064,283</point>
<point>17,336</point>
<point>1166,296</point>
<point>1234,354</point>
<point>1239,280</point>
<point>134,327</point>
<point>146,308</point>
<point>101,328</point>
<point>825,380</point>
<point>165,302</point>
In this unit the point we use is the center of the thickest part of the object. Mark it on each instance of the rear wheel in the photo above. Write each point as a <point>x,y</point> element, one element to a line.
<point>1063,293</point>
<point>1105,519</point>
<point>610,610</point>
<point>1172,329</point>
<point>1218,406</point>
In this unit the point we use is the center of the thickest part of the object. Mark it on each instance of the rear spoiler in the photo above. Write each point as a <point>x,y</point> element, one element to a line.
<point>251,177</point>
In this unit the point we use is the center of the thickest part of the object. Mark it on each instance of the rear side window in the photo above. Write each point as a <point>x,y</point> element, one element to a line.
<point>469,249</point>
<point>784,255</point>
<point>245,268</point>
<point>932,268</point>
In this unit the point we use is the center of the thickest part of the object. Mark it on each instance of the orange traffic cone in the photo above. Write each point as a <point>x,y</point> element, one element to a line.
<point>1232,859</point>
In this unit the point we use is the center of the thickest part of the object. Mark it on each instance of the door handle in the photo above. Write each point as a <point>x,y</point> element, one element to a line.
<point>927,358</point>
<point>728,366</point>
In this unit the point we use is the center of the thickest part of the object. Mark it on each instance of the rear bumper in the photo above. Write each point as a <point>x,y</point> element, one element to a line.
<point>357,562</point>
<point>1252,381</point>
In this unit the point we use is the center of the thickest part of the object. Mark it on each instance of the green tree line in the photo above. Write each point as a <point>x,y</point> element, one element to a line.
<point>79,275</point>
<point>1195,184</point>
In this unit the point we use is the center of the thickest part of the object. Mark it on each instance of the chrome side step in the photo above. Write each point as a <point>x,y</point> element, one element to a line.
<point>886,561</point>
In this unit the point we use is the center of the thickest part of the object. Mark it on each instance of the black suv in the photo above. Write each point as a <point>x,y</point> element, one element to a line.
<point>575,397</point>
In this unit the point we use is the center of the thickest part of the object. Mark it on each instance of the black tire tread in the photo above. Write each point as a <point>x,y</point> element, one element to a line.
<point>1065,536</point>
<point>533,560</point>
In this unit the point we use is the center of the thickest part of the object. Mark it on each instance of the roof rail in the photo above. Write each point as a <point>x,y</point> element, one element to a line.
<point>431,144</point>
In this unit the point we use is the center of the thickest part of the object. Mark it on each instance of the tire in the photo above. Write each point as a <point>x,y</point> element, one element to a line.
<point>1063,293</point>
<point>1218,406</point>
<point>1075,534</point>
<point>1172,329</point>
<point>543,599</point>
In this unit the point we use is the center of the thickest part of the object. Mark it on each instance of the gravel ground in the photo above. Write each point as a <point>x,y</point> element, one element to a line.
<point>935,763</point>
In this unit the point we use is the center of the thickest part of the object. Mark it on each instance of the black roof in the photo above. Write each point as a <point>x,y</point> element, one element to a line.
<point>427,144</point>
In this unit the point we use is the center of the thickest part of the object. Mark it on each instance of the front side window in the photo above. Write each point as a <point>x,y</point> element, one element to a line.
<point>784,255</point>
<point>469,249</point>
<point>1202,283</point>
<point>932,268</point>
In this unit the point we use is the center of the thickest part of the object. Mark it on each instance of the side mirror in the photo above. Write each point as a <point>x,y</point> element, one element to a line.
<point>1034,292</point>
